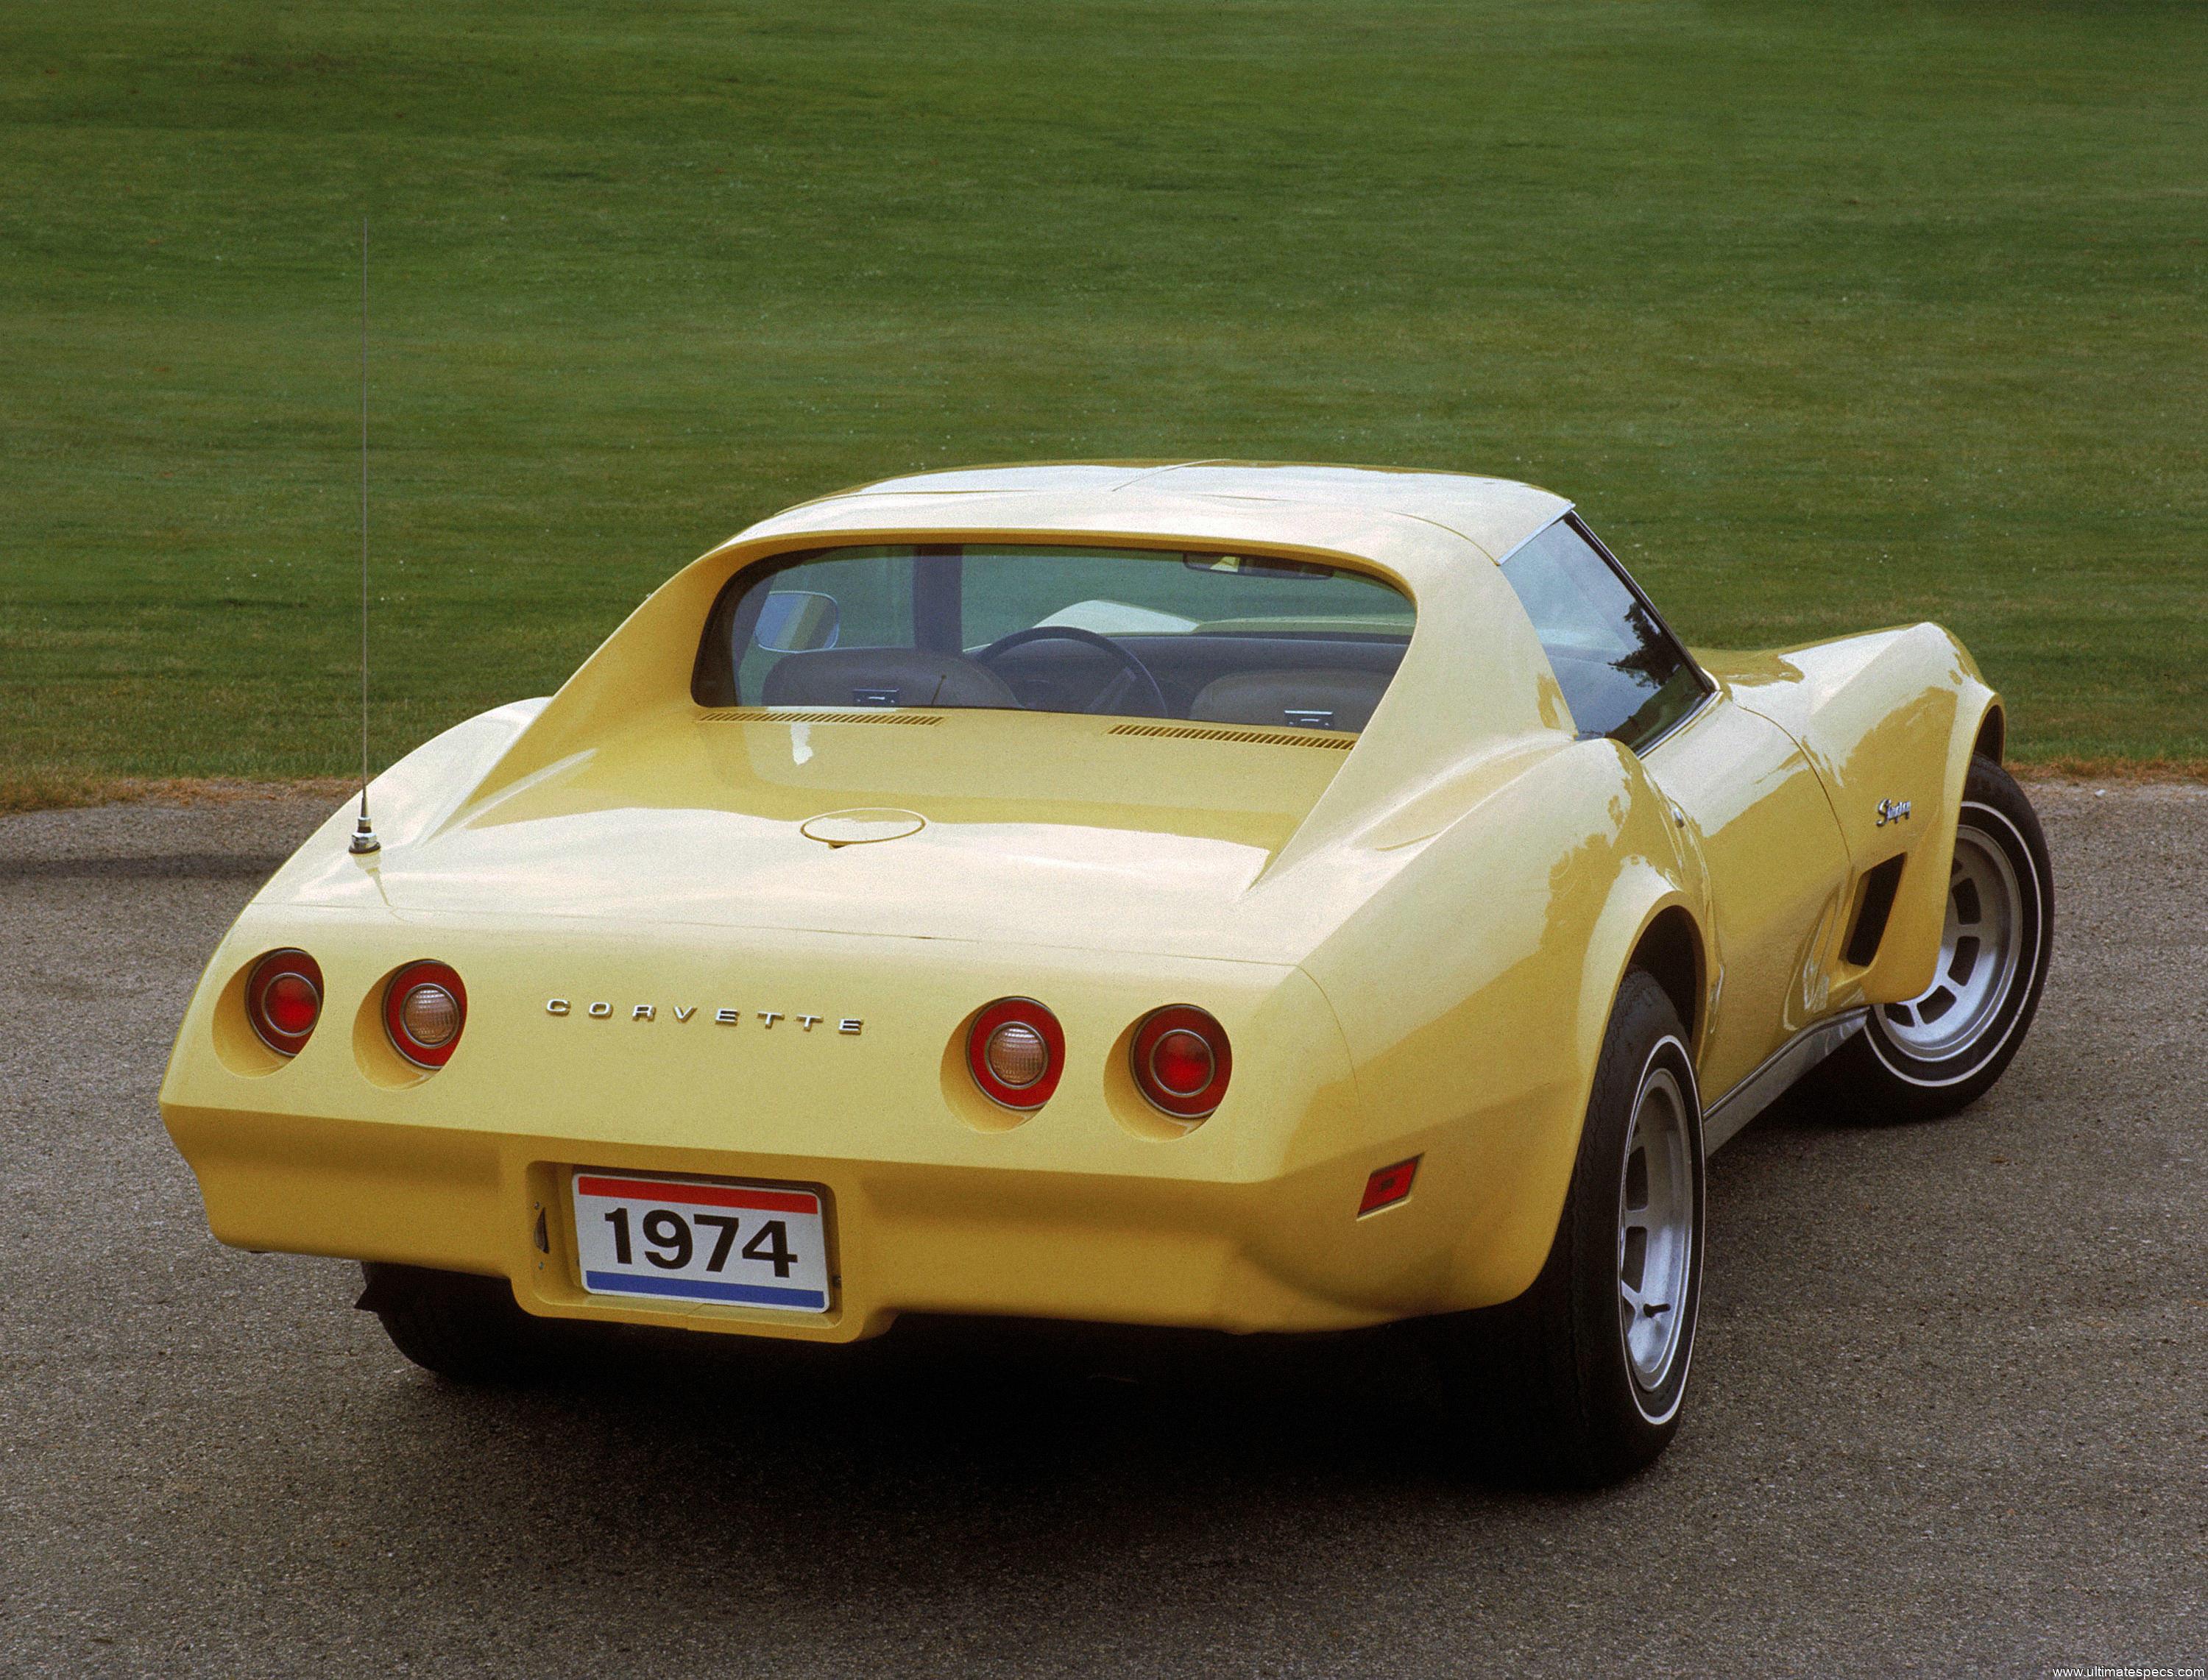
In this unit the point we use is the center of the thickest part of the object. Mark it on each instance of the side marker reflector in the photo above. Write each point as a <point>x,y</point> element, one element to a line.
<point>1389,1185</point>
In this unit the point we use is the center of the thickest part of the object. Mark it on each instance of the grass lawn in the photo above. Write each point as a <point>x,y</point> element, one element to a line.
<point>1829,315</point>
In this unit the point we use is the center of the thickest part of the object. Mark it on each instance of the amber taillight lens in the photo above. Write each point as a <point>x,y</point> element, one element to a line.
<point>284,999</point>
<point>1181,1061</point>
<point>425,1007</point>
<point>1015,1051</point>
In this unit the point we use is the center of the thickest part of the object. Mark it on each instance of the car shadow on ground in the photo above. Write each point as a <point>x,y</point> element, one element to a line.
<point>943,1450</point>
<point>954,1392</point>
<point>961,1432</point>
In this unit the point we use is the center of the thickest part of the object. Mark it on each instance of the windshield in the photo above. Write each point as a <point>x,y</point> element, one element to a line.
<point>1132,632</point>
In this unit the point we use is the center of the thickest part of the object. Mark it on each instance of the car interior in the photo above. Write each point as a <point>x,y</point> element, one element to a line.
<point>1314,682</point>
<point>1267,643</point>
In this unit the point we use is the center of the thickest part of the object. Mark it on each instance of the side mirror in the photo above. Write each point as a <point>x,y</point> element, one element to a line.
<point>798,621</point>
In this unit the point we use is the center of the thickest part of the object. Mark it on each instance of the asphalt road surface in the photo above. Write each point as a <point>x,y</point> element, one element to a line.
<point>1950,1407</point>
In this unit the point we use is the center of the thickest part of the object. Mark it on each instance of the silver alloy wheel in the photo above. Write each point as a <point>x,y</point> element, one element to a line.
<point>1981,955</point>
<point>1655,1228</point>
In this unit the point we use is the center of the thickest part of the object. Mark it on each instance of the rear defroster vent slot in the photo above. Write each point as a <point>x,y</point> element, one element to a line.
<point>1325,740</point>
<point>766,714</point>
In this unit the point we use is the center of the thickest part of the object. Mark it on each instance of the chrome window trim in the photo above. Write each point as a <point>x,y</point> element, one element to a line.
<point>1708,699</point>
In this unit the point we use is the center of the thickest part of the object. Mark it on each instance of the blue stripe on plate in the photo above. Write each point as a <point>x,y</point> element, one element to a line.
<point>750,1294</point>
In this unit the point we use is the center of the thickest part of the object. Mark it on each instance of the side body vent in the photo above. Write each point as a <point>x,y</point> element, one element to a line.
<point>767,714</point>
<point>1327,741</point>
<point>1880,884</point>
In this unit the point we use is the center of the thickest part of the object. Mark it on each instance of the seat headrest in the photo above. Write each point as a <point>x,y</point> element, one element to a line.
<point>1329,699</point>
<point>883,676</point>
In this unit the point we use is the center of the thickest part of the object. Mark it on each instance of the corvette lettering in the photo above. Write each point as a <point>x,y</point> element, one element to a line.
<point>849,1025</point>
<point>1892,811</point>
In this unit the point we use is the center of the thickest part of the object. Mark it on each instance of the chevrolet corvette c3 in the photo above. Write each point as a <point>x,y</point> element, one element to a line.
<point>1261,897</point>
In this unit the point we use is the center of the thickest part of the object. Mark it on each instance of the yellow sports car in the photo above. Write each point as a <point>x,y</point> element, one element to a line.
<point>1266,898</point>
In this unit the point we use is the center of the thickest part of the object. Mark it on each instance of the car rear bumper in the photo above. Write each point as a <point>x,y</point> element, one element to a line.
<point>1285,1253</point>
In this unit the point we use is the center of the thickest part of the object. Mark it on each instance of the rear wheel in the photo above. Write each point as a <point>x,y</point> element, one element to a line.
<point>465,1328</point>
<point>1942,1051</point>
<point>1580,1381</point>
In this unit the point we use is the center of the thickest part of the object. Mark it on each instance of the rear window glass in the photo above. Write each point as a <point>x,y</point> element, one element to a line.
<point>1130,633</point>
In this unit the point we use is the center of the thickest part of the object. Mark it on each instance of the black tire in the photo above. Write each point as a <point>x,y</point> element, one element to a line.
<point>1544,1389</point>
<point>1888,1072</point>
<point>463,1327</point>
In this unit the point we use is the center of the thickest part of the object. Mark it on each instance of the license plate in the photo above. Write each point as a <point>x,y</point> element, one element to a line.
<point>701,1239</point>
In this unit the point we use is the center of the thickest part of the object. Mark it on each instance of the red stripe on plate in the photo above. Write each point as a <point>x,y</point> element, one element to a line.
<point>704,1196</point>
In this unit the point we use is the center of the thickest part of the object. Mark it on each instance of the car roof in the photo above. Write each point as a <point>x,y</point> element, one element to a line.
<point>1493,514</point>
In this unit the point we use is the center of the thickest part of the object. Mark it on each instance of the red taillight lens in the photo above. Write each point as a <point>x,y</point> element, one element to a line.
<point>425,1007</point>
<point>284,999</point>
<point>1015,1051</point>
<point>1181,1061</point>
<point>291,1004</point>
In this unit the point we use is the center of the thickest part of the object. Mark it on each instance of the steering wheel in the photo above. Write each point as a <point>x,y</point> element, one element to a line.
<point>1067,632</point>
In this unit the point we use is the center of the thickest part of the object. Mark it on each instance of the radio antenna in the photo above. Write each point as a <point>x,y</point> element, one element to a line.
<point>364,833</point>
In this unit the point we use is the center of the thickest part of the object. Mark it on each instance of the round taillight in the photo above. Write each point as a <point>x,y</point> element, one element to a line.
<point>425,1007</point>
<point>284,999</point>
<point>1181,1061</point>
<point>1015,1051</point>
